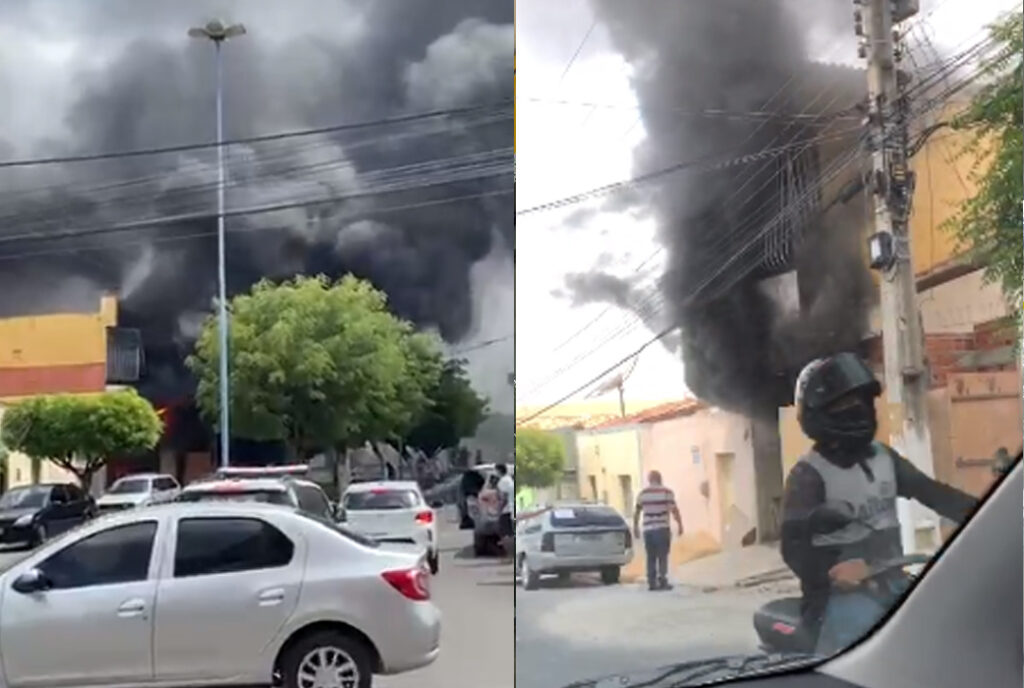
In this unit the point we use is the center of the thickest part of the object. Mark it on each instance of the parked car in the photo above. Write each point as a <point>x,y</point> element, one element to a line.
<point>572,538</point>
<point>242,594</point>
<point>392,511</point>
<point>300,494</point>
<point>31,514</point>
<point>136,490</point>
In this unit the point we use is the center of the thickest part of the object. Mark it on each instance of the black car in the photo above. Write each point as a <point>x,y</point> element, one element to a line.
<point>30,514</point>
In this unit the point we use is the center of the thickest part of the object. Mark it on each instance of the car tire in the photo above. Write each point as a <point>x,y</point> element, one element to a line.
<point>434,562</point>
<point>531,579</point>
<point>610,575</point>
<point>352,654</point>
<point>479,545</point>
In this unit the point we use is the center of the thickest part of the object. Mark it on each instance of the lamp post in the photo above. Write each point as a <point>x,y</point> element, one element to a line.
<point>217,32</point>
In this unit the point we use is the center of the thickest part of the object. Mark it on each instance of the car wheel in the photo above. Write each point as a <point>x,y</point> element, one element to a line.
<point>610,575</point>
<point>531,579</point>
<point>327,658</point>
<point>434,562</point>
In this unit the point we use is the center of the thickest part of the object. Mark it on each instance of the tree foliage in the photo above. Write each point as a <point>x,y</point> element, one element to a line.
<point>318,364</point>
<point>456,411</point>
<point>988,225</point>
<point>80,433</point>
<point>540,458</point>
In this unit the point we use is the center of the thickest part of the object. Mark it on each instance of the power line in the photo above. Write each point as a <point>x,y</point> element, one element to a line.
<point>384,121</point>
<point>576,53</point>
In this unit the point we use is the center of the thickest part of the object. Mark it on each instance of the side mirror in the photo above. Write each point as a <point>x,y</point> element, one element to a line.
<point>339,514</point>
<point>31,581</point>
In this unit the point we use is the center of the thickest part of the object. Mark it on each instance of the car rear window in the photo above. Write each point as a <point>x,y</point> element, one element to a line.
<point>381,500</point>
<point>580,517</point>
<point>233,495</point>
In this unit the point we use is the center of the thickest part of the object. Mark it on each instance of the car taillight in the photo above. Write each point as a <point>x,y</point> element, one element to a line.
<point>412,583</point>
<point>628,539</point>
<point>425,518</point>
<point>547,542</point>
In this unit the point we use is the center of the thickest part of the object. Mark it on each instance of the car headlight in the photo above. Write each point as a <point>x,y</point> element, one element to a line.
<point>24,520</point>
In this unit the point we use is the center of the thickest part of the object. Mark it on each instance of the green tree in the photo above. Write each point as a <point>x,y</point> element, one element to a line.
<point>540,458</point>
<point>80,433</point>
<point>988,225</point>
<point>455,412</point>
<point>318,364</point>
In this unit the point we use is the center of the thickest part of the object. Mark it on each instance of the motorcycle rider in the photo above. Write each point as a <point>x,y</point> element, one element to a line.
<point>835,400</point>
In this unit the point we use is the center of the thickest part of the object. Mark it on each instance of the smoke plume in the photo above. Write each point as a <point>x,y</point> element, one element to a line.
<point>740,346</point>
<point>140,82</point>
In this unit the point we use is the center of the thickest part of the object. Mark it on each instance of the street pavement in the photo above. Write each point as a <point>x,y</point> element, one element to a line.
<point>476,598</point>
<point>567,631</point>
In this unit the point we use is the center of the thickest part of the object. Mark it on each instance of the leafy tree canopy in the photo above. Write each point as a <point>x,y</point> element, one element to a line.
<point>988,225</point>
<point>540,458</point>
<point>318,364</point>
<point>455,413</point>
<point>80,433</point>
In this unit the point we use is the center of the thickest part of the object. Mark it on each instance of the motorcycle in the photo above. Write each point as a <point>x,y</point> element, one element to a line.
<point>779,625</point>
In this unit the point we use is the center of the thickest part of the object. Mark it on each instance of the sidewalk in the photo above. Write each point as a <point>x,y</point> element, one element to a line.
<point>687,548</point>
<point>735,568</point>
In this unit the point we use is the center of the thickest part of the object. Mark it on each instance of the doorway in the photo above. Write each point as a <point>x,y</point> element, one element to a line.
<point>725,465</point>
<point>626,485</point>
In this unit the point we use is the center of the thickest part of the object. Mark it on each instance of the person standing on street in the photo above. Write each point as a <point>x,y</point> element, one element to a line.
<point>507,490</point>
<point>655,502</point>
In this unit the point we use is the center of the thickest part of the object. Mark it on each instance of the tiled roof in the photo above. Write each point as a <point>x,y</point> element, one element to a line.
<point>666,411</point>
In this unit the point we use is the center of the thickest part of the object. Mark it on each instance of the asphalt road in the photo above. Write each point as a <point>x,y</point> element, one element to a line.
<point>476,597</point>
<point>581,629</point>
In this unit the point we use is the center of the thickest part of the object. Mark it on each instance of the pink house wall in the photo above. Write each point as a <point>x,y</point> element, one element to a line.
<point>668,446</point>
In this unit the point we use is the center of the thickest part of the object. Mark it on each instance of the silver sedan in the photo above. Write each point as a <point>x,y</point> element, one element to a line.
<point>220,594</point>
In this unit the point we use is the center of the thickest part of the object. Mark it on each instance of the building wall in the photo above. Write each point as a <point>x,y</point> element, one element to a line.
<point>604,456</point>
<point>55,353</point>
<point>686,451</point>
<point>956,306</point>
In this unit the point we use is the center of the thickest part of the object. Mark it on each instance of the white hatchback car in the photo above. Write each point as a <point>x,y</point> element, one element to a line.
<point>392,511</point>
<point>214,594</point>
<point>139,489</point>
<point>572,538</point>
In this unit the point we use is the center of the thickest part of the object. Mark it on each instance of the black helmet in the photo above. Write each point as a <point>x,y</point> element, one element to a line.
<point>824,382</point>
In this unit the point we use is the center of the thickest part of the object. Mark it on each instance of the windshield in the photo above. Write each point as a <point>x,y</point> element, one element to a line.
<point>25,498</point>
<point>731,341</point>
<point>260,496</point>
<point>381,500</point>
<point>131,486</point>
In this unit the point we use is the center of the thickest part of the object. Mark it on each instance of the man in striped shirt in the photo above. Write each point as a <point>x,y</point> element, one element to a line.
<point>655,502</point>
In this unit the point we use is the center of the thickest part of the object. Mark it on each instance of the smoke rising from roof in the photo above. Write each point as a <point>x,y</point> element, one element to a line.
<point>741,349</point>
<point>141,83</point>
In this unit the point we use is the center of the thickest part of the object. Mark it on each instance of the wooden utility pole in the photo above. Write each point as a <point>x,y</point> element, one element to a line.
<point>891,186</point>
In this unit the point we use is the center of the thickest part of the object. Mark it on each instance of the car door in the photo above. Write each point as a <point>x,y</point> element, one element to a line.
<point>78,506</point>
<point>58,514</point>
<point>93,626</point>
<point>224,594</point>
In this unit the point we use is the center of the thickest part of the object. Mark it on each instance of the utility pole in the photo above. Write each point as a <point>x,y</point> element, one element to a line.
<point>891,186</point>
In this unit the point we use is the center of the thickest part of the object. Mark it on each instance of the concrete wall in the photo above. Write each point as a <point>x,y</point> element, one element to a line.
<point>604,456</point>
<point>686,451</point>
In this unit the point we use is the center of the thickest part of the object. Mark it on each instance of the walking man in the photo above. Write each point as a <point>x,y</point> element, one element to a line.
<point>655,502</point>
<point>507,490</point>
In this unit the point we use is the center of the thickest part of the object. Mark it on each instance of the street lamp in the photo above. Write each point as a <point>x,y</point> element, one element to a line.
<point>217,32</point>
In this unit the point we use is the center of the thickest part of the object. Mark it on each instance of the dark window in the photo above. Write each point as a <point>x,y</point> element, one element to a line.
<point>208,546</point>
<point>581,517</point>
<point>59,495</point>
<point>381,500</point>
<point>117,555</point>
<point>313,500</point>
<point>163,484</point>
<point>75,493</point>
<point>32,497</point>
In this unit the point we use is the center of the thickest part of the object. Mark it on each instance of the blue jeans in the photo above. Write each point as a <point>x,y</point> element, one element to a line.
<point>849,616</point>
<point>657,544</point>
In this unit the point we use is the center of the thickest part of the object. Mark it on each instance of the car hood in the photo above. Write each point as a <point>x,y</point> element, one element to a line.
<point>119,499</point>
<point>704,671</point>
<point>15,514</point>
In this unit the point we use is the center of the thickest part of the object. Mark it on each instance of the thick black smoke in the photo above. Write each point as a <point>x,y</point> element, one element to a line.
<point>302,65</point>
<point>741,348</point>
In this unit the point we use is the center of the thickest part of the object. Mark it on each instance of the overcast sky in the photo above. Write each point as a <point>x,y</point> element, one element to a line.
<point>566,145</point>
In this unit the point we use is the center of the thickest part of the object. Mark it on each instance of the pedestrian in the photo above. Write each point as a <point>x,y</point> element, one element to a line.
<point>507,490</point>
<point>655,502</point>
